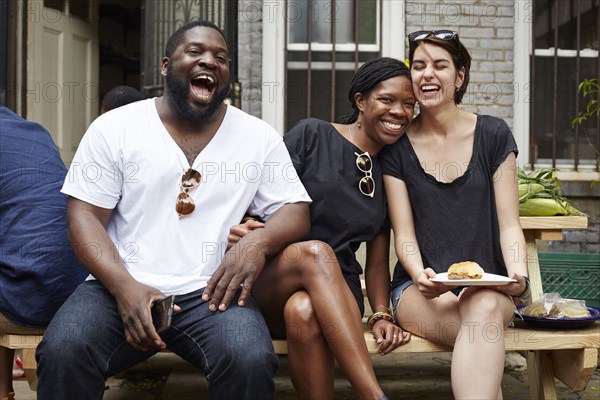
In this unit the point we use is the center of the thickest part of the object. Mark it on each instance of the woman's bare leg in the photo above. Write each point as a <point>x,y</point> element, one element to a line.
<point>312,267</point>
<point>313,376</point>
<point>437,319</point>
<point>479,349</point>
<point>473,324</point>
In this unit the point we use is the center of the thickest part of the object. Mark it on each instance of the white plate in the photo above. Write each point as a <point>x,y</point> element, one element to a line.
<point>486,280</point>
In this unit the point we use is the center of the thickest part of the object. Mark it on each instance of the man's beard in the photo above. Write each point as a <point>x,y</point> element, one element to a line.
<point>178,98</point>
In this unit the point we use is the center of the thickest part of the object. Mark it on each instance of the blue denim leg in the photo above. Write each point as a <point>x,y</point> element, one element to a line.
<point>232,348</point>
<point>396,295</point>
<point>83,345</point>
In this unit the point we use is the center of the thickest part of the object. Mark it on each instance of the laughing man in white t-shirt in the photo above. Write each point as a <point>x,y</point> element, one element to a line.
<point>154,187</point>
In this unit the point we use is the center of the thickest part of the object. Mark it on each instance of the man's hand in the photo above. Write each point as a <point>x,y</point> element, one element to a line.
<point>134,306</point>
<point>246,259</point>
<point>241,266</point>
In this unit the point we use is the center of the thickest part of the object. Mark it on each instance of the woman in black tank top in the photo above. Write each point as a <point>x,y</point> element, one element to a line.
<point>452,196</point>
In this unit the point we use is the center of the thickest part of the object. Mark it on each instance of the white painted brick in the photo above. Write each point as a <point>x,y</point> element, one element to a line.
<point>498,55</point>
<point>500,44</point>
<point>480,77</point>
<point>496,66</point>
<point>497,22</point>
<point>476,32</point>
<point>469,43</point>
<point>505,33</point>
<point>503,77</point>
<point>499,112</point>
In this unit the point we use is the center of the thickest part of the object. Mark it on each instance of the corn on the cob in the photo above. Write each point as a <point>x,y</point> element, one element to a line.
<point>527,190</point>
<point>540,194</point>
<point>542,207</point>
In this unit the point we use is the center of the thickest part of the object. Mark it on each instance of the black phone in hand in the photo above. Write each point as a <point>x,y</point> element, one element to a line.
<point>162,313</point>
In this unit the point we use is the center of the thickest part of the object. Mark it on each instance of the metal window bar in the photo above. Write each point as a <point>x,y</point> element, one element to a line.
<point>356,32</point>
<point>309,58</point>
<point>598,75</point>
<point>532,124</point>
<point>231,13</point>
<point>285,55</point>
<point>554,81</point>
<point>577,79</point>
<point>333,41</point>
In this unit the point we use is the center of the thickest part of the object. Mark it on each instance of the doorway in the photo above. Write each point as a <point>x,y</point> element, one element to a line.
<point>119,37</point>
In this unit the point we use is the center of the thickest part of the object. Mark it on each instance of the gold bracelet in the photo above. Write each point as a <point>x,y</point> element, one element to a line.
<point>379,316</point>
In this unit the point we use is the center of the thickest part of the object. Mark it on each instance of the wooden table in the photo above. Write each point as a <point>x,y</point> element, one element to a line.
<point>544,228</point>
<point>574,367</point>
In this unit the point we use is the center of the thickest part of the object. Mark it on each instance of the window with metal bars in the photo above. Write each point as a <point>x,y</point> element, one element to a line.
<point>565,38</point>
<point>326,41</point>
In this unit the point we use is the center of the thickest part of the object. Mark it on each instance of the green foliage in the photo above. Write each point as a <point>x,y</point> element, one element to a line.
<point>590,89</point>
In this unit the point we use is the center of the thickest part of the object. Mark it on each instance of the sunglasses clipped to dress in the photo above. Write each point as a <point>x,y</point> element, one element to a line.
<point>184,204</point>
<point>443,34</point>
<point>364,163</point>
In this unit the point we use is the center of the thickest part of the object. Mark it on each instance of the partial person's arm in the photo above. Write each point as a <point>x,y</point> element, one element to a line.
<point>246,259</point>
<point>512,240</point>
<point>405,238</point>
<point>377,279</point>
<point>98,254</point>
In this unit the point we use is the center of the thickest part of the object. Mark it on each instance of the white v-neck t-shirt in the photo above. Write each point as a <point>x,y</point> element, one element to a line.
<point>128,162</point>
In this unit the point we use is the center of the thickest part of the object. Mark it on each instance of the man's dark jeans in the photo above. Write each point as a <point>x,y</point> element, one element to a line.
<point>85,344</point>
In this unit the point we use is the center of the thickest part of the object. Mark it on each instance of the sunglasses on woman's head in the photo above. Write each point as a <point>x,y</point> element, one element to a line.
<point>443,34</point>
<point>184,205</point>
<point>366,185</point>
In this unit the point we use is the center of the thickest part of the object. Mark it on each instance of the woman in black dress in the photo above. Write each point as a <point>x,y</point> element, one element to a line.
<point>311,293</point>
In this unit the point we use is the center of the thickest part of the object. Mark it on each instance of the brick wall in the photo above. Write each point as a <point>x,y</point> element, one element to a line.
<point>578,240</point>
<point>486,28</point>
<point>250,55</point>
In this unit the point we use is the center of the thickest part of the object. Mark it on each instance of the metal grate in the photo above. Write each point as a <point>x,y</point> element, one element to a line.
<point>573,275</point>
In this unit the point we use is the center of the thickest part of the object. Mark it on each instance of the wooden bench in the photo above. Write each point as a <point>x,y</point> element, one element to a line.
<point>570,356</point>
